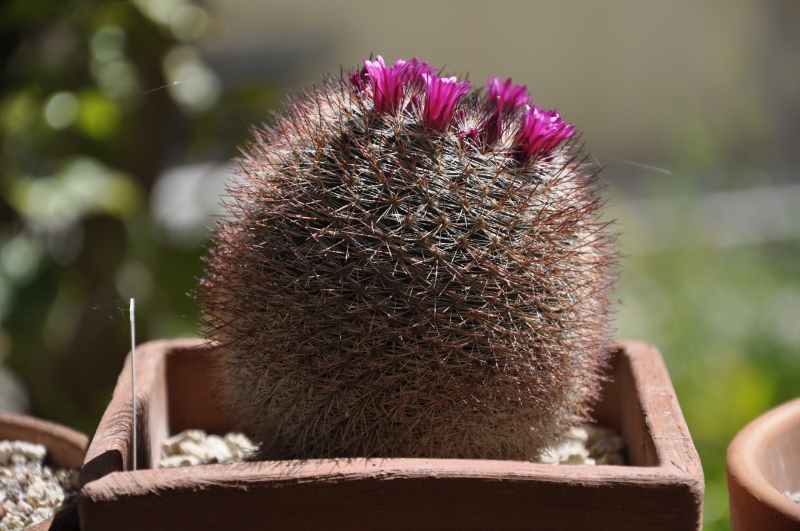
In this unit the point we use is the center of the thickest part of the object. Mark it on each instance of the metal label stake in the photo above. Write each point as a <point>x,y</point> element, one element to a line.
<point>133,377</point>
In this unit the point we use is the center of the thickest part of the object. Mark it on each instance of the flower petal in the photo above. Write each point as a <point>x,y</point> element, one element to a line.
<point>540,133</point>
<point>443,96</point>
<point>507,96</point>
<point>386,83</point>
<point>413,70</point>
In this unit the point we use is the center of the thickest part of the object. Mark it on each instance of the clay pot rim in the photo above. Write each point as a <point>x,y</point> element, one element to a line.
<point>72,443</point>
<point>68,445</point>
<point>747,448</point>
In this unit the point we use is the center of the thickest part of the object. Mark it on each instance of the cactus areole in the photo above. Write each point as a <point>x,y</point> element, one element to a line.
<point>410,269</point>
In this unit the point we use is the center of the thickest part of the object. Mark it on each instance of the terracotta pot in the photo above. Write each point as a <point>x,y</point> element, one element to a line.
<point>764,463</point>
<point>66,448</point>
<point>663,489</point>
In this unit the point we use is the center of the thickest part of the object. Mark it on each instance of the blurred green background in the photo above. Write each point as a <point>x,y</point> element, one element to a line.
<point>118,121</point>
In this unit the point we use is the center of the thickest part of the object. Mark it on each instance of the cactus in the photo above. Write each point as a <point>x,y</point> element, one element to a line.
<point>410,270</point>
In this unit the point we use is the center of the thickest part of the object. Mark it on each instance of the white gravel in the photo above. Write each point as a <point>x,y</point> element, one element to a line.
<point>29,490</point>
<point>195,447</point>
<point>588,445</point>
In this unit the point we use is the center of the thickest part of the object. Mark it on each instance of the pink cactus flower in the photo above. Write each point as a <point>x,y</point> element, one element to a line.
<point>359,79</point>
<point>507,97</point>
<point>388,83</point>
<point>413,70</point>
<point>541,132</point>
<point>443,96</point>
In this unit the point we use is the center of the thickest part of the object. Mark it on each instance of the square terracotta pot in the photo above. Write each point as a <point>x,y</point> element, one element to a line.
<point>661,489</point>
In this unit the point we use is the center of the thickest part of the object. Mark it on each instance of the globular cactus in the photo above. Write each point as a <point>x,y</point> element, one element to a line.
<point>410,270</point>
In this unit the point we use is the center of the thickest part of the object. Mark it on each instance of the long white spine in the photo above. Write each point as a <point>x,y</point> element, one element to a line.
<point>133,378</point>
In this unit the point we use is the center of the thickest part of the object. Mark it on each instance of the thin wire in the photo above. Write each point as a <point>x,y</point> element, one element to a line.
<point>635,164</point>
<point>37,312</point>
<point>162,87</point>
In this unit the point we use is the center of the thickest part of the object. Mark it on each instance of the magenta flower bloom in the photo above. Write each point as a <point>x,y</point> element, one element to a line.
<point>443,95</point>
<point>388,83</point>
<point>507,97</point>
<point>413,70</point>
<point>359,79</point>
<point>541,132</point>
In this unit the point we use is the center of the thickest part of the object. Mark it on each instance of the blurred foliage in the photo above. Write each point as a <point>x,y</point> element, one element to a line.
<point>97,97</point>
<point>726,321</point>
<point>724,317</point>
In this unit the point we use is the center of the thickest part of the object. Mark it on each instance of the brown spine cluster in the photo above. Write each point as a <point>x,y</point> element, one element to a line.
<point>382,289</point>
